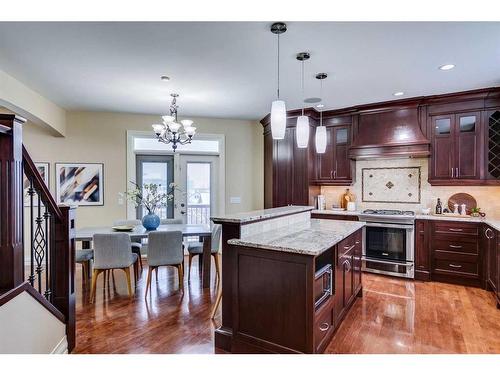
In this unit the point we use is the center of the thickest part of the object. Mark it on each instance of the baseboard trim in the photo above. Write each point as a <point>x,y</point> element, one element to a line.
<point>61,347</point>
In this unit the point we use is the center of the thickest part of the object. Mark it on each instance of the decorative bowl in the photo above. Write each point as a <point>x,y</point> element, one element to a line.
<point>123,228</point>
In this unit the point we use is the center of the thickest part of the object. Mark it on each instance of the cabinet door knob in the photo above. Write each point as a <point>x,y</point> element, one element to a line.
<point>324,327</point>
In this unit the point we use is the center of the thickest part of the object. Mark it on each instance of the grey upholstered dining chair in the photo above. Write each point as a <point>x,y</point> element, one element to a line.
<point>84,257</point>
<point>196,248</point>
<point>165,249</point>
<point>136,243</point>
<point>112,251</point>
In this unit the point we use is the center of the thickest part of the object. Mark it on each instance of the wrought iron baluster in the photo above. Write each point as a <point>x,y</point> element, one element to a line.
<point>31,193</point>
<point>39,245</point>
<point>48,291</point>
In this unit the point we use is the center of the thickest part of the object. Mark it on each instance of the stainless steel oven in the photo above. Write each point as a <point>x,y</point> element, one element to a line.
<point>388,248</point>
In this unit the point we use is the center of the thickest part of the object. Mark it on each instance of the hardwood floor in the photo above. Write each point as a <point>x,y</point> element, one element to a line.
<point>398,316</point>
<point>394,316</point>
<point>168,321</point>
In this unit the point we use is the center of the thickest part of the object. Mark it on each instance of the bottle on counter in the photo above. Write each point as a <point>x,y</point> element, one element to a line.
<point>439,207</point>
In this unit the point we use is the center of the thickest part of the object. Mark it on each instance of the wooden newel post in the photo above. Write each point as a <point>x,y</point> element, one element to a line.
<point>11,202</point>
<point>63,282</point>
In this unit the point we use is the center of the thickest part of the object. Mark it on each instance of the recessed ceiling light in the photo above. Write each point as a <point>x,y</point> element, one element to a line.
<point>447,67</point>
<point>399,93</point>
<point>165,78</point>
<point>320,106</point>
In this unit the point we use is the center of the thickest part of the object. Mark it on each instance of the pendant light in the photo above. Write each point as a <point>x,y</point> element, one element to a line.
<point>278,108</point>
<point>302,129</point>
<point>320,137</point>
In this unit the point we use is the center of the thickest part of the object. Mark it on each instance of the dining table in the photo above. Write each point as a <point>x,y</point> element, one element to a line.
<point>202,231</point>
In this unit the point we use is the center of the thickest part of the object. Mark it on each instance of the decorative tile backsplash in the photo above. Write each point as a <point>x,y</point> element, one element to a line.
<point>487,197</point>
<point>391,185</point>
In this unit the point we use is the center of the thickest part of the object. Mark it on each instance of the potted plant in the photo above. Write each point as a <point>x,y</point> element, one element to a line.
<point>151,197</point>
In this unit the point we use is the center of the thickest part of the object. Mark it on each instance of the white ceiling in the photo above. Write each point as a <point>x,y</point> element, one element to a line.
<point>229,69</point>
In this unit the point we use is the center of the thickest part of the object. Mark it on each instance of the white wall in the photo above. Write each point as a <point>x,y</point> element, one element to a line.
<point>28,327</point>
<point>101,137</point>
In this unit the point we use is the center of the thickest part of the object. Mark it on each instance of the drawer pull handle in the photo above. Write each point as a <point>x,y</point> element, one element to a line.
<point>324,327</point>
<point>455,265</point>
<point>455,246</point>
<point>456,229</point>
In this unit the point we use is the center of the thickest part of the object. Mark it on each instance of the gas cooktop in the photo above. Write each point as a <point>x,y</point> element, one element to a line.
<point>389,212</point>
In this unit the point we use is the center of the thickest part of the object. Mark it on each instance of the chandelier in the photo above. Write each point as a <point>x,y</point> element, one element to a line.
<point>170,131</point>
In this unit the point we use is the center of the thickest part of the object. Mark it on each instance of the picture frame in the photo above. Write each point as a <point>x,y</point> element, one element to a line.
<point>44,170</point>
<point>80,184</point>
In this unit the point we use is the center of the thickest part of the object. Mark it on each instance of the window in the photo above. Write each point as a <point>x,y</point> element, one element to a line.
<point>198,192</point>
<point>156,169</point>
<point>198,145</point>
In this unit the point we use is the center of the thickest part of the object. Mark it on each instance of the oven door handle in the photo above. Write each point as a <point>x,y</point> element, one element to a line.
<point>387,225</point>
<point>406,264</point>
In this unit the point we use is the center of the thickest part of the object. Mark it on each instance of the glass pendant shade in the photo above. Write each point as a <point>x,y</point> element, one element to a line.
<point>302,132</point>
<point>190,130</point>
<point>158,128</point>
<point>168,119</point>
<point>174,127</point>
<point>278,119</point>
<point>320,139</point>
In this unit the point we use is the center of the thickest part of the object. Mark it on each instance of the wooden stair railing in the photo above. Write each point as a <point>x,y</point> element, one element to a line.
<point>49,234</point>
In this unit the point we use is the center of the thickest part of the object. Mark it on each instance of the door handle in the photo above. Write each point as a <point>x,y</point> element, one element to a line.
<point>457,174</point>
<point>452,176</point>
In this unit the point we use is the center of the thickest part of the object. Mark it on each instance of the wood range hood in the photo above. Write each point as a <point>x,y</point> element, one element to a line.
<point>392,132</point>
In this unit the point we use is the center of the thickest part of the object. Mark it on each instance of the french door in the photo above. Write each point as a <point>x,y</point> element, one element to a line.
<point>198,182</point>
<point>156,169</point>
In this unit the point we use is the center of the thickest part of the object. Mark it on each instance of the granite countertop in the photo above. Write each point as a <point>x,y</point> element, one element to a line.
<point>245,217</point>
<point>312,237</point>
<point>494,223</point>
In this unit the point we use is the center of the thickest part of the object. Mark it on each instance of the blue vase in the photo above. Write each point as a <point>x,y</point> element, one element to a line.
<point>151,221</point>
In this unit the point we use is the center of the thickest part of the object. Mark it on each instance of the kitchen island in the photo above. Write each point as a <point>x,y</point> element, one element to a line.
<point>287,280</point>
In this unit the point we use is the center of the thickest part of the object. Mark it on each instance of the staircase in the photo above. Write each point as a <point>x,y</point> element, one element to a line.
<point>30,219</point>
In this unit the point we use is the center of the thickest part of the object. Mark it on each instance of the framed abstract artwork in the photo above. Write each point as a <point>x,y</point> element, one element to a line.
<point>80,184</point>
<point>43,169</point>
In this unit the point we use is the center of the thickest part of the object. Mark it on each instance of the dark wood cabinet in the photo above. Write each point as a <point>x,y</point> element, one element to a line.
<point>347,278</point>
<point>422,250</point>
<point>333,167</point>
<point>490,246</point>
<point>287,172</point>
<point>455,155</point>
<point>456,256</point>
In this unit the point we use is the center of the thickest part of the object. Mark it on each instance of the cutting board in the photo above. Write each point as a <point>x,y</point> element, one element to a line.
<point>462,198</point>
